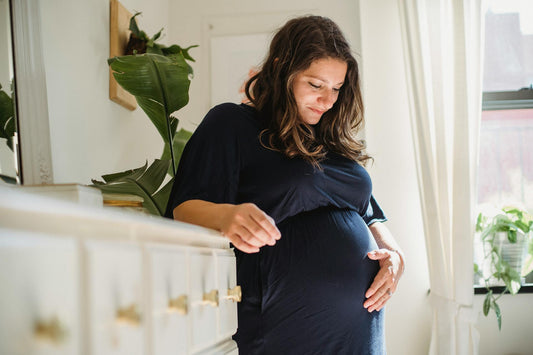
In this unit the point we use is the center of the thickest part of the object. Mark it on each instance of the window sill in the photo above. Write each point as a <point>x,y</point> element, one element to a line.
<point>481,290</point>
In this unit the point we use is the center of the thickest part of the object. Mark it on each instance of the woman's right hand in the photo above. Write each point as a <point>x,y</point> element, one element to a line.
<point>248,227</point>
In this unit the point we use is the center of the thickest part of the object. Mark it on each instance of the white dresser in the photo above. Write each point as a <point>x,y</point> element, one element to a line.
<point>83,280</point>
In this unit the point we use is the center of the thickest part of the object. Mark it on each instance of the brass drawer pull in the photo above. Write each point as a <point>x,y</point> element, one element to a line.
<point>179,304</point>
<point>52,331</point>
<point>235,294</point>
<point>129,315</point>
<point>211,298</point>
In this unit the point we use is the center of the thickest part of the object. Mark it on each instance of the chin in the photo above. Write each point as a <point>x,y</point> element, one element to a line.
<point>311,120</point>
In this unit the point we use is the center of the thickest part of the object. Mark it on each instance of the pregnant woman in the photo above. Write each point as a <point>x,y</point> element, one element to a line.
<point>282,178</point>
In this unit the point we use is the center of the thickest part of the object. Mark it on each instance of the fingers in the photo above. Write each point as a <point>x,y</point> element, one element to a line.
<point>376,286</point>
<point>385,282</point>
<point>249,228</point>
<point>241,244</point>
<point>256,237</point>
<point>378,299</point>
<point>267,223</point>
<point>380,302</point>
<point>379,254</point>
<point>260,228</point>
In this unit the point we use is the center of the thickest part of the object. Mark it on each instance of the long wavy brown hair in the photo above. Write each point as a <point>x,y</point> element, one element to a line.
<point>294,47</point>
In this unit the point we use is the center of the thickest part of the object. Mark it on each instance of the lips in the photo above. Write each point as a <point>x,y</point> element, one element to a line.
<point>317,111</point>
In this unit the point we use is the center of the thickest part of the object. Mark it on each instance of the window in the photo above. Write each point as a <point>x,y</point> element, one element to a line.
<point>505,175</point>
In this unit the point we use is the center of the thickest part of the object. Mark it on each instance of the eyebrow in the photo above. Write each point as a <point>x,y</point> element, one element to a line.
<point>325,81</point>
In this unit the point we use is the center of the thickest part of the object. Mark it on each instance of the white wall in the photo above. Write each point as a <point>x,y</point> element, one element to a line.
<point>91,135</point>
<point>388,135</point>
<point>517,321</point>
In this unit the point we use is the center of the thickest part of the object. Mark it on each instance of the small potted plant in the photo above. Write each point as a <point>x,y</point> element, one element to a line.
<point>505,237</point>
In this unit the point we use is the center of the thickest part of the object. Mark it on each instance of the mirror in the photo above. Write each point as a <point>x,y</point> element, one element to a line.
<point>8,137</point>
<point>34,165</point>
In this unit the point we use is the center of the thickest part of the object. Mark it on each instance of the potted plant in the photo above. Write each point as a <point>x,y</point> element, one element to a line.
<point>159,79</point>
<point>506,242</point>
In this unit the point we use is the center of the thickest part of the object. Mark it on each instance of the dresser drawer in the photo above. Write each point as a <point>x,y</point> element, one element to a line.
<point>204,299</point>
<point>39,306</point>
<point>229,291</point>
<point>169,299</point>
<point>115,298</point>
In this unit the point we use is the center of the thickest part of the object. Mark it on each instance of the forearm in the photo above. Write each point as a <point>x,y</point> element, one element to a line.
<point>245,225</point>
<point>385,240</point>
<point>202,213</point>
<point>383,236</point>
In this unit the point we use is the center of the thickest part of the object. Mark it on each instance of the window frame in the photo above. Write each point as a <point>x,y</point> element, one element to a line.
<point>482,290</point>
<point>506,100</point>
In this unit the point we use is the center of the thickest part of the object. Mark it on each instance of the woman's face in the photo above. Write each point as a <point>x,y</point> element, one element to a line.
<point>316,89</point>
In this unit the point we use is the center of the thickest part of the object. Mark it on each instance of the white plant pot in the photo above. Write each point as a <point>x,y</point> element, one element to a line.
<point>514,254</point>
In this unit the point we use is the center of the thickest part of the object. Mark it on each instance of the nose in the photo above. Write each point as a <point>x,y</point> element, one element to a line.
<point>327,99</point>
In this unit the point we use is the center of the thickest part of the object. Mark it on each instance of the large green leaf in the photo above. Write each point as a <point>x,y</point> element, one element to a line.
<point>175,49</point>
<point>161,197</point>
<point>132,174</point>
<point>153,48</point>
<point>8,179</point>
<point>153,177</point>
<point>142,182</point>
<point>180,140</point>
<point>160,84</point>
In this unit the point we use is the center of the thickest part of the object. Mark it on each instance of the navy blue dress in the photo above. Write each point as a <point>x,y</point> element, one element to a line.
<point>305,294</point>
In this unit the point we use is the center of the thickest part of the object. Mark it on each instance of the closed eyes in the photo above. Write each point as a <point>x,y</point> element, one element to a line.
<point>314,86</point>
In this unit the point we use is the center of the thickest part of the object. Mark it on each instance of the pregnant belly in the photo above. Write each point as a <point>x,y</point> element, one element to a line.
<point>307,292</point>
<point>322,254</point>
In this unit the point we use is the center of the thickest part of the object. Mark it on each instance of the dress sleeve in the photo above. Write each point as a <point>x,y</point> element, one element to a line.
<point>209,166</point>
<point>374,213</point>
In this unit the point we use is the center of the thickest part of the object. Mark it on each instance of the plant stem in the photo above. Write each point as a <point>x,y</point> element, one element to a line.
<point>167,115</point>
<point>501,294</point>
<point>171,146</point>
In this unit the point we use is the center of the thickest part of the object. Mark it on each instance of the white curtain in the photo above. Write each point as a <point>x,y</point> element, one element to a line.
<point>443,46</point>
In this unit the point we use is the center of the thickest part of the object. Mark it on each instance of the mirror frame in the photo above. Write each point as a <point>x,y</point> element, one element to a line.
<point>35,154</point>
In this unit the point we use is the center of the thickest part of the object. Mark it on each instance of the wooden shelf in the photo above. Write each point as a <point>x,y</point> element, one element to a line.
<point>119,34</point>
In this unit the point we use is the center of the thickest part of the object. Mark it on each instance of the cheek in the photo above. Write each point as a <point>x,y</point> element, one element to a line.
<point>308,96</point>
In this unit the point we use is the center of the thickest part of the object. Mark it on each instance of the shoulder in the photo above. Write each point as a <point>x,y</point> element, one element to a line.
<point>227,120</point>
<point>229,114</point>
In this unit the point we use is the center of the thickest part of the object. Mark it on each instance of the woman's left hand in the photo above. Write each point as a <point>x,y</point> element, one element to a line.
<point>386,281</point>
